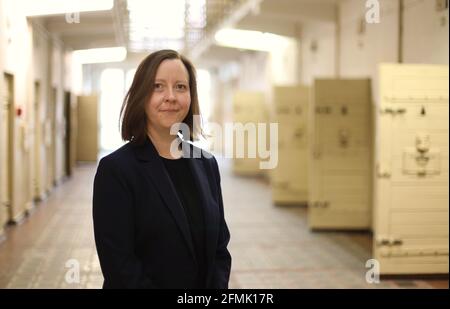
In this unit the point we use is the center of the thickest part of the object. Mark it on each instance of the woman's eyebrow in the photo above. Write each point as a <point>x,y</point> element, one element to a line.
<point>177,81</point>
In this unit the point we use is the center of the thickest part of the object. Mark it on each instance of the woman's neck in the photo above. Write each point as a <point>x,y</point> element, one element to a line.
<point>163,142</point>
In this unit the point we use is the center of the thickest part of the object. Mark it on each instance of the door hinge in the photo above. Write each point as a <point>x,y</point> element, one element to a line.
<point>392,111</point>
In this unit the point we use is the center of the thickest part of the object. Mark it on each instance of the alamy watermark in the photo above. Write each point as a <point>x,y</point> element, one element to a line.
<point>73,18</point>
<point>373,12</point>
<point>373,274</point>
<point>233,140</point>
<point>73,273</point>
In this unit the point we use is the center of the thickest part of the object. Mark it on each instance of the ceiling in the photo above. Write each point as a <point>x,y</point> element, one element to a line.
<point>285,17</point>
<point>112,28</point>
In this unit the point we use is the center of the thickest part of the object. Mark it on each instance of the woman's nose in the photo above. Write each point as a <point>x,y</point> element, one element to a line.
<point>170,94</point>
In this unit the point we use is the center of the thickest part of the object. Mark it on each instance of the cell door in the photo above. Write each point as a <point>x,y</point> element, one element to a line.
<point>6,156</point>
<point>289,178</point>
<point>249,109</point>
<point>340,169</point>
<point>411,180</point>
<point>39,147</point>
<point>87,128</point>
<point>50,139</point>
<point>67,134</point>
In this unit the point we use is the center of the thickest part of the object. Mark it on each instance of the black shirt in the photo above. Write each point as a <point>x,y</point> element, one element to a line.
<point>183,181</point>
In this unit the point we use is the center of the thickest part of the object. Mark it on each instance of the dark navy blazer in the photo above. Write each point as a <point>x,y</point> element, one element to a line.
<point>141,231</point>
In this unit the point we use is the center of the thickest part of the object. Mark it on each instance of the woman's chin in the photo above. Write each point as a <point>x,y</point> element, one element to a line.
<point>168,124</point>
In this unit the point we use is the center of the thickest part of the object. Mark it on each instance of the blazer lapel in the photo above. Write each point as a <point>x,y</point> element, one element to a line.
<point>154,168</point>
<point>211,214</point>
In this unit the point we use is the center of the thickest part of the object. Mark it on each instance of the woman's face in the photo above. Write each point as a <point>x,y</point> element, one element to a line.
<point>171,96</point>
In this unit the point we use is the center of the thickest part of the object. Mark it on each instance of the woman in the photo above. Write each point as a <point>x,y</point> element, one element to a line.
<point>158,213</point>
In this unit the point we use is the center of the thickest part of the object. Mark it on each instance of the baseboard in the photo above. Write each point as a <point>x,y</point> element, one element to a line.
<point>19,218</point>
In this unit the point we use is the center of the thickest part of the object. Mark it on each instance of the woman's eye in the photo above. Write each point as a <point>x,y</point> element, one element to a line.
<point>181,87</point>
<point>158,86</point>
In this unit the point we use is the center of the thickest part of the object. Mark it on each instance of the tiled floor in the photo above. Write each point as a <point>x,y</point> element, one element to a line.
<point>271,246</point>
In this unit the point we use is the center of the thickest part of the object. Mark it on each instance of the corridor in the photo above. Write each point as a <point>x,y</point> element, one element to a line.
<point>329,120</point>
<point>271,247</point>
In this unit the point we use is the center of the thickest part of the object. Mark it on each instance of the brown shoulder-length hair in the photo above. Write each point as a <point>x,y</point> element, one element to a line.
<point>133,118</point>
